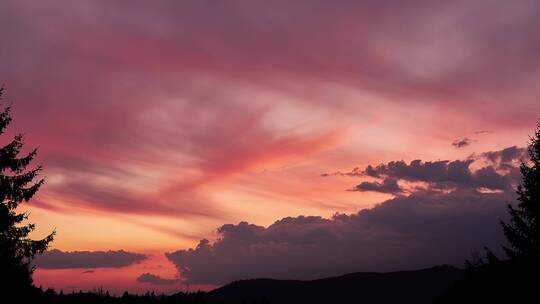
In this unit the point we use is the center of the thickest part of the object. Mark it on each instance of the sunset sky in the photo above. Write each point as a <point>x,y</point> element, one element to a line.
<point>199,142</point>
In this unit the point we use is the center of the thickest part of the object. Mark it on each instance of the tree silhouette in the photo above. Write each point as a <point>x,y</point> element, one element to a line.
<point>523,231</point>
<point>17,185</point>
<point>514,280</point>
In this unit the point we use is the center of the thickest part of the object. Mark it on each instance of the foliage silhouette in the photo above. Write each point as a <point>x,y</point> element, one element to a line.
<point>523,231</point>
<point>50,296</point>
<point>17,185</point>
<point>514,280</point>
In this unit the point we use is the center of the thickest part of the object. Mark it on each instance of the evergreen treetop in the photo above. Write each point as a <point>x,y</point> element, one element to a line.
<point>523,231</point>
<point>17,185</point>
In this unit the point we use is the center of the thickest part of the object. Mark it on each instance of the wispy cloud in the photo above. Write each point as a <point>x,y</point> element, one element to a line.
<point>462,142</point>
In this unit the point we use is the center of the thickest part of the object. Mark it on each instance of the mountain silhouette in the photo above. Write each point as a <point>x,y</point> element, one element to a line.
<point>415,286</point>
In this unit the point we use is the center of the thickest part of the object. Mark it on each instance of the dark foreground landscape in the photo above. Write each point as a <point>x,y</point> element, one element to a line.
<point>493,281</point>
<point>417,286</point>
<point>420,286</point>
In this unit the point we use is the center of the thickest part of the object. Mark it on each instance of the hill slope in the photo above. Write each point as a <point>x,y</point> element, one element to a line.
<point>417,286</point>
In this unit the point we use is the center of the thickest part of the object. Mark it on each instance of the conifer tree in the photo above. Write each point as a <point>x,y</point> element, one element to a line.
<point>17,185</point>
<point>523,230</point>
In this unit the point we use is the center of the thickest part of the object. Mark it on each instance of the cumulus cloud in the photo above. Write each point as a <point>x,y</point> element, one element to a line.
<point>506,158</point>
<point>421,229</point>
<point>156,280</point>
<point>461,142</point>
<point>418,170</point>
<point>499,174</point>
<point>388,185</point>
<point>57,259</point>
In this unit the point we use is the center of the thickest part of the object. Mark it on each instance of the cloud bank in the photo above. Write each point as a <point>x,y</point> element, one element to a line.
<point>57,259</point>
<point>498,173</point>
<point>424,228</point>
<point>388,185</point>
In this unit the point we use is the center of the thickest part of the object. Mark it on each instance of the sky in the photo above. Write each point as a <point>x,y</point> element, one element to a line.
<point>186,144</point>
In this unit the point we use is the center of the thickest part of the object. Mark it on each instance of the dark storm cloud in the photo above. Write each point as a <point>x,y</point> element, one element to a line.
<point>57,259</point>
<point>418,170</point>
<point>506,156</point>
<point>156,280</point>
<point>443,174</point>
<point>388,185</point>
<point>499,174</point>
<point>462,142</point>
<point>421,229</point>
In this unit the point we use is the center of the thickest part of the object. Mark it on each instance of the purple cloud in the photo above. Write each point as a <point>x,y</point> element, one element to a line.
<point>506,157</point>
<point>420,230</point>
<point>57,259</point>
<point>388,185</point>
<point>425,228</point>
<point>500,174</point>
